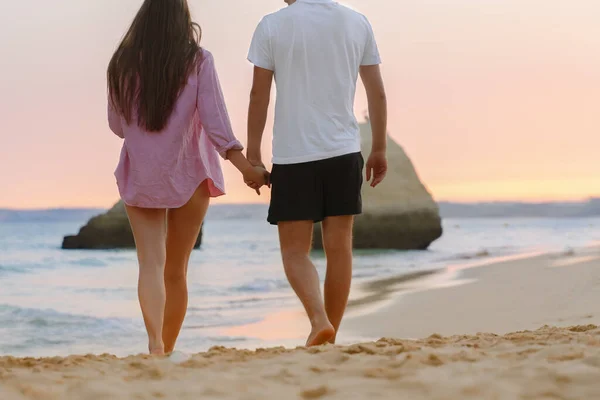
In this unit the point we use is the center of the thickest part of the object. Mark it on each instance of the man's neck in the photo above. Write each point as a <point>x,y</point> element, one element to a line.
<point>290,2</point>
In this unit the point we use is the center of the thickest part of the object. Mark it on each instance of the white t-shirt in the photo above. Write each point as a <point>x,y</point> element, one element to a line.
<point>315,48</point>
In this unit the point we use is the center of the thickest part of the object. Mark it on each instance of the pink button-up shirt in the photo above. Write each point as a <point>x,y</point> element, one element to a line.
<point>164,169</point>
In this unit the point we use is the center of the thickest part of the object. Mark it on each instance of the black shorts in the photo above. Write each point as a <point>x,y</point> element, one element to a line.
<point>315,190</point>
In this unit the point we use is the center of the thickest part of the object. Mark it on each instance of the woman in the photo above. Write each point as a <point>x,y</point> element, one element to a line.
<point>166,102</point>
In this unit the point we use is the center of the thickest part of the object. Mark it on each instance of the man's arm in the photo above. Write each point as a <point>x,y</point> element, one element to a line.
<point>260,97</point>
<point>371,77</point>
<point>373,82</point>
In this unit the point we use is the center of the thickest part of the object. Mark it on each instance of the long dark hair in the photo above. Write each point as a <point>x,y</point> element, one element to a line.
<point>153,62</point>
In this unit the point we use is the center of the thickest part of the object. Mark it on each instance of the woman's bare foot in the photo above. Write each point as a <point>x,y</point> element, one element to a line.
<point>156,349</point>
<point>157,352</point>
<point>321,335</point>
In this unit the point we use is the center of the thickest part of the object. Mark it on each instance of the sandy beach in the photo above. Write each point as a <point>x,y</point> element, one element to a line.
<point>550,302</point>
<point>521,293</point>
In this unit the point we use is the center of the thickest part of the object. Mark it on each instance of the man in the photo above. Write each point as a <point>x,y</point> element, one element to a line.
<point>316,49</point>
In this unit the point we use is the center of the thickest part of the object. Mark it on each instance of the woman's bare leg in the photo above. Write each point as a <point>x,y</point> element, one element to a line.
<point>183,227</point>
<point>149,231</point>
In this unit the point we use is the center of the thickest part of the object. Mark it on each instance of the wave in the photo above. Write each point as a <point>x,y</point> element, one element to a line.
<point>487,252</point>
<point>24,267</point>
<point>89,262</point>
<point>261,286</point>
<point>47,332</point>
<point>11,268</point>
<point>55,322</point>
<point>6,269</point>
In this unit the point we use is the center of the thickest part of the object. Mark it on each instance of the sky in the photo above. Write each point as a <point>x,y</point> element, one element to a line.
<point>491,99</point>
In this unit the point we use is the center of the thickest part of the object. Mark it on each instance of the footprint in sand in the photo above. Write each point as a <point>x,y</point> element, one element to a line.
<point>178,357</point>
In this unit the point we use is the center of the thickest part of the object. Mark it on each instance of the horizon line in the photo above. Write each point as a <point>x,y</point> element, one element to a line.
<point>460,202</point>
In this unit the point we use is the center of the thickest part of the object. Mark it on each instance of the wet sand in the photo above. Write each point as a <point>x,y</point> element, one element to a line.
<point>507,296</point>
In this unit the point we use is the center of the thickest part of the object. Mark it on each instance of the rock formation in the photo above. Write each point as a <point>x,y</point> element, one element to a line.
<point>400,213</point>
<point>106,231</point>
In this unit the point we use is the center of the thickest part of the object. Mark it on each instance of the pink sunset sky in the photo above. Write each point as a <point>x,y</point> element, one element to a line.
<point>491,99</point>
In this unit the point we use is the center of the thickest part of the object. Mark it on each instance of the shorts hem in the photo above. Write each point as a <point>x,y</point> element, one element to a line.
<point>344,214</point>
<point>276,221</point>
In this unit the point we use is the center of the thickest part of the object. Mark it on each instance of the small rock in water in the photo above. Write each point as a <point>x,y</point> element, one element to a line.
<point>483,253</point>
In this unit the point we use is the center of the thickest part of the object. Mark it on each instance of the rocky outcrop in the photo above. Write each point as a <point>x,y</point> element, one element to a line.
<point>106,231</point>
<point>400,213</point>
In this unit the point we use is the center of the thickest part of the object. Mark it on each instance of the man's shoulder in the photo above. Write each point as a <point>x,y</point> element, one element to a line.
<point>352,13</point>
<point>278,15</point>
<point>284,14</point>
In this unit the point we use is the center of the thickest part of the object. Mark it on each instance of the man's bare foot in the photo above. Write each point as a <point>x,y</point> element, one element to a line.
<point>321,335</point>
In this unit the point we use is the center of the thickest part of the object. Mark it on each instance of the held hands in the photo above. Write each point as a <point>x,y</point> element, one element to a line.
<point>376,167</point>
<point>256,177</point>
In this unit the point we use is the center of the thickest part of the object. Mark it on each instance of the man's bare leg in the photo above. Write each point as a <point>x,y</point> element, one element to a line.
<point>295,240</point>
<point>337,242</point>
<point>183,227</point>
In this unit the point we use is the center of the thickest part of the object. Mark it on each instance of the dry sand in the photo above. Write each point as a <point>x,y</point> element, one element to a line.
<point>548,363</point>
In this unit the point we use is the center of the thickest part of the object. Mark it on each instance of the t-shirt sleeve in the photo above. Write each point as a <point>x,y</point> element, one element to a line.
<point>261,54</point>
<point>371,52</point>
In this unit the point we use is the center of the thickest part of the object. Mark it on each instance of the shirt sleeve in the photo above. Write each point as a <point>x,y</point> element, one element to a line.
<point>212,110</point>
<point>371,51</point>
<point>114,120</point>
<point>260,53</point>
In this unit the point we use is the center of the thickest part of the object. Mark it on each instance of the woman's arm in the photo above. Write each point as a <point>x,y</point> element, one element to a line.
<point>212,110</point>
<point>114,120</point>
<point>216,124</point>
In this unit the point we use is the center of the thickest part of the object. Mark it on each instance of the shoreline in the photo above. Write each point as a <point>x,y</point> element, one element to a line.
<point>498,296</point>
<point>378,293</point>
<point>521,300</point>
<point>288,328</point>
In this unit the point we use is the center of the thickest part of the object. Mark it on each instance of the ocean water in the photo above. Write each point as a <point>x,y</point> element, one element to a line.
<point>55,302</point>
